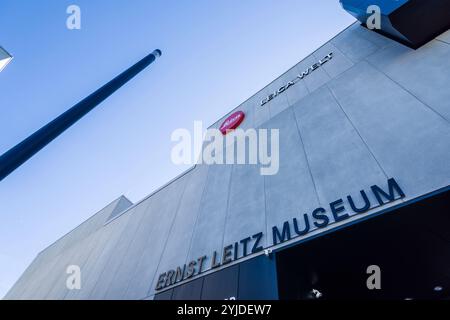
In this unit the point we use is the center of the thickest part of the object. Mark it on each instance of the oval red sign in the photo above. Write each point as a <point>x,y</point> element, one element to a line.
<point>232,122</point>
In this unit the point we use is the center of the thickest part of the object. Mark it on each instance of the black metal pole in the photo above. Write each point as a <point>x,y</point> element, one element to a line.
<point>17,155</point>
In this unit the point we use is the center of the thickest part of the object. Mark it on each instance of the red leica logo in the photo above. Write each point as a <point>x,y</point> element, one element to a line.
<point>232,122</point>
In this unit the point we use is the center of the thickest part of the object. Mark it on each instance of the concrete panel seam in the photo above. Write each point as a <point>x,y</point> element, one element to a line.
<point>265,209</point>
<point>372,42</point>
<point>145,240</point>
<point>91,250</point>
<point>345,55</point>
<point>307,89</point>
<point>82,266</point>
<point>101,252</point>
<point>305,154</point>
<point>198,214</point>
<point>153,193</point>
<point>54,281</point>
<point>340,51</point>
<point>326,72</point>
<point>357,131</point>
<point>228,205</point>
<point>82,223</point>
<point>111,256</point>
<point>356,34</point>
<point>167,238</point>
<point>442,41</point>
<point>290,104</point>
<point>294,66</point>
<point>408,91</point>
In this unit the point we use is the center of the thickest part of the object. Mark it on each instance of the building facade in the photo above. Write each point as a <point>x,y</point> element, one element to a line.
<point>363,181</point>
<point>5,58</point>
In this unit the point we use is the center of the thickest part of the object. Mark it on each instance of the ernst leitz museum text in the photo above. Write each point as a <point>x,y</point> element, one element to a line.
<point>363,184</point>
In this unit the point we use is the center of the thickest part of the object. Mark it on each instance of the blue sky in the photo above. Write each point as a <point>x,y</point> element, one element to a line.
<point>216,54</point>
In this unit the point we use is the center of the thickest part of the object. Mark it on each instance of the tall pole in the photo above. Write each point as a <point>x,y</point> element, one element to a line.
<point>16,156</point>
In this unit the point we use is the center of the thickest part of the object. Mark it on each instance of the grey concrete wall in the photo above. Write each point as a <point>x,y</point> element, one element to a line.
<point>377,110</point>
<point>32,279</point>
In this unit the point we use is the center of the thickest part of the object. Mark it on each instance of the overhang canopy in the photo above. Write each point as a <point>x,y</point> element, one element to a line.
<point>5,58</point>
<point>411,22</point>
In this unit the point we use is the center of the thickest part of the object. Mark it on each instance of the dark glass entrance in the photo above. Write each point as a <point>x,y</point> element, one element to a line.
<point>411,245</point>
